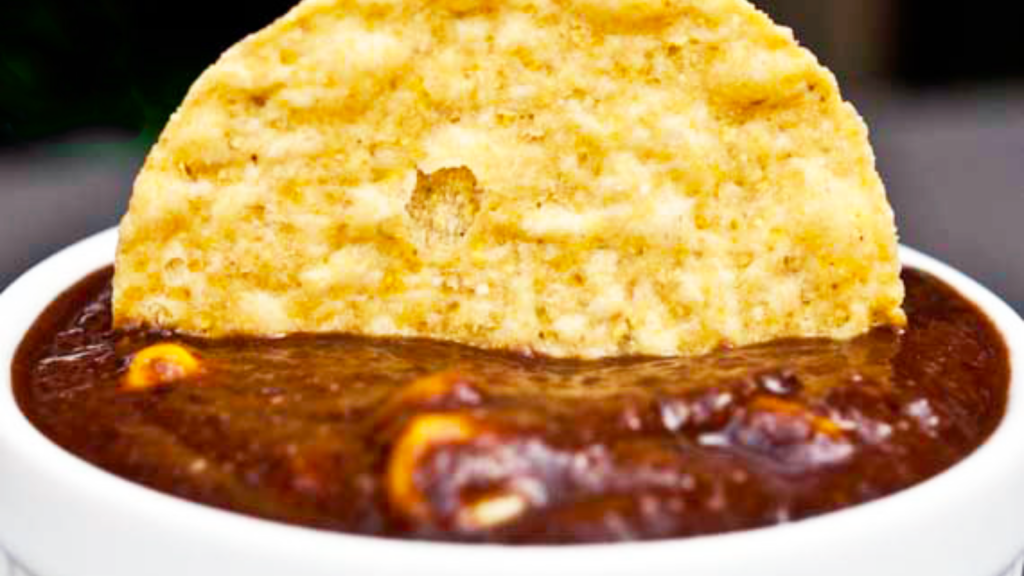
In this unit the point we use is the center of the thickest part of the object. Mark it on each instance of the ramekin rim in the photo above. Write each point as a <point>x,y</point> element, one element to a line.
<point>96,251</point>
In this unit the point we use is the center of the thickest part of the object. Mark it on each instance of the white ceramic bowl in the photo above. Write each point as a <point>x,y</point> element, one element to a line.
<point>60,516</point>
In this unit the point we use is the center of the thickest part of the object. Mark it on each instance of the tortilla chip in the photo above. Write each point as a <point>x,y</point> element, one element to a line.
<point>574,177</point>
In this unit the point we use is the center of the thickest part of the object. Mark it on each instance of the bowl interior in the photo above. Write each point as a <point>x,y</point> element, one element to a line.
<point>979,493</point>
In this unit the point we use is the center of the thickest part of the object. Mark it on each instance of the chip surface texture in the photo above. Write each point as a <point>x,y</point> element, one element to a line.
<point>573,177</point>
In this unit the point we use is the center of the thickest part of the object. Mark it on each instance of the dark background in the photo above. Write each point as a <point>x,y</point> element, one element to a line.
<point>68,64</point>
<point>86,85</point>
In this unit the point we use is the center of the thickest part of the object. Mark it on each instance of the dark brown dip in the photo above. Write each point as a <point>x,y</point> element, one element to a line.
<point>421,439</point>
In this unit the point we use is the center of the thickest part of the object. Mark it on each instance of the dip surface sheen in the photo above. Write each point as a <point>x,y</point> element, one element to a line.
<point>430,440</point>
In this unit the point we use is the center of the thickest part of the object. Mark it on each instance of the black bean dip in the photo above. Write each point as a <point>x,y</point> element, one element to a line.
<point>430,440</point>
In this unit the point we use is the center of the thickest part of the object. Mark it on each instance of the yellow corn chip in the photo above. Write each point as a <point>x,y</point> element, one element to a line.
<point>572,177</point>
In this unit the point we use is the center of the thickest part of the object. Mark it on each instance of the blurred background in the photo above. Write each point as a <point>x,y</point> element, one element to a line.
<point>86,85</point>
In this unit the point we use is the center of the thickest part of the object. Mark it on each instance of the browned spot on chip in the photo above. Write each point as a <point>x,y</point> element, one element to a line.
<point>445,203</point>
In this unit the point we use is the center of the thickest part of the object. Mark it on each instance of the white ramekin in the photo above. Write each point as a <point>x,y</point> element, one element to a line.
<point>60,516</point>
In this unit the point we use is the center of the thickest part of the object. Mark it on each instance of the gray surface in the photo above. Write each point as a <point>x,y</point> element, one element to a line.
<point>54,194</point>
<point>954,166</point>
<point>954,170</point>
